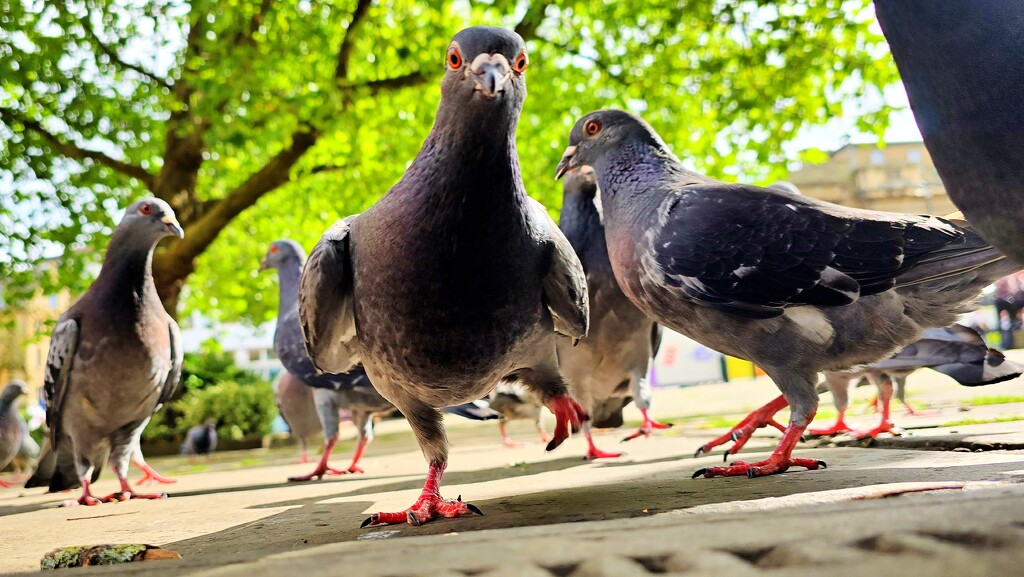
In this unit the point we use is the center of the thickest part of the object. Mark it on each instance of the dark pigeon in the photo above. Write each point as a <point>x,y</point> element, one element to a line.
<point>962,62</point>
<point>796,285</point>
<point>608,368</point>
<point>12,427</point>
<point>456,279</point>
<point>115,358</point>
<point>295,403</point>
<point>955,351</point>
<point>200,440</point>
<point>332,392</point>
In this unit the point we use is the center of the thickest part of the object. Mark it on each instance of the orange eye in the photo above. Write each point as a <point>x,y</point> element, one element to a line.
<point>454,58</point>
<point>521,63</point>
<point>591,128</point>
<point>273,249</point>
<point>146,209</point>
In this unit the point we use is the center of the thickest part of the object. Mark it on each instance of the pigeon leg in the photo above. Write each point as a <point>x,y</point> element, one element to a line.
<point>568,415</point>
<point>505,439</point>
<point>360,449</point>
<point>592,451</point>
<point>648,426</point>
<point>149,475</point>
<point>840,426</point>
<point>781,460</point>
<point>86,498</point>
<point>544,438</point>
<point>5,484</point>
<point>884,425</point>
<point>741,433</point>
<point>127,493</point>
<point>321,467</point>
<point>429,506</point>
<point>303,457</point>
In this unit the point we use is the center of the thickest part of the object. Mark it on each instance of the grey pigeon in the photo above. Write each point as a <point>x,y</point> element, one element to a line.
<point>115,358</point>
<point>961,62</point>
<point>609,367</point>
<point>332,392</point>
<point>295,403</point>
<point>513,402</point>
<point>12,427</point>
<point>956,351</point>
<point>455,280</point>
<point>200,440</point>
<point>796,285</point>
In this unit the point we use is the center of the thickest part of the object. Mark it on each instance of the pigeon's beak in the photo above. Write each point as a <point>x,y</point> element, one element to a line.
<point>490,74</point>
<point>264,265</point>
<point>172,226</point>
<point>566,164</point>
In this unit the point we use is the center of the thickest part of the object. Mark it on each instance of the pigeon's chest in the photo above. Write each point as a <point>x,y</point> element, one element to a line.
<point>125,368</point>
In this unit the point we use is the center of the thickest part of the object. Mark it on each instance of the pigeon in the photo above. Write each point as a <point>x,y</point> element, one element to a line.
<point>332,392</point>
<point>12,427</point>
<point>608,368</point>
<point>200,440</point>
<point>149,474</point>
<point>960,61</point>
<point>295,402</point>
<point>455,280</point>
<point>115,357</point>
<point>796,285</point>
<point>513,401</point>
<point>956,351</point>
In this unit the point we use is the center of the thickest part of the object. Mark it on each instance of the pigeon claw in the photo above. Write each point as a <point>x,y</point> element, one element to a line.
<point>770,466</point>
<point>568,416</point>
<point>425,509</point>
<point>741,433</point>
<point>699,472</point>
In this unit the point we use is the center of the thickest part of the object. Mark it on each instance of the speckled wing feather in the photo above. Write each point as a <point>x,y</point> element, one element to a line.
<point>565,283</point>
<point>751,251</point>
<point>325,302</point>
<point>177,357</point>
<point>59,360</point>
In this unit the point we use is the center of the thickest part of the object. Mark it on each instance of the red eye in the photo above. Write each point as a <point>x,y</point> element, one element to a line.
<point>521,63</point>
<point>146,209</point>
<point>591,128</point>
<point>454,58</point>
<point>273,249</point>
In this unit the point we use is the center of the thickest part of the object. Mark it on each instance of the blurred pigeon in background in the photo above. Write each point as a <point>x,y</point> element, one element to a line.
<point>200,440</point>
<point>295,402</point>
<point>455,280</point>
<point>12,427</point>
<point>514,402</point>
<point>796,285</point>
<point>115,358</point>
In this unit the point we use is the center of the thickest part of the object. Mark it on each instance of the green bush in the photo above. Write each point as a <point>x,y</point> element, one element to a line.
<point>213,387</point>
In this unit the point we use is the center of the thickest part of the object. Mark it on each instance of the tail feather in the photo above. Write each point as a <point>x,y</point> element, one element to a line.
<point>56,469</point>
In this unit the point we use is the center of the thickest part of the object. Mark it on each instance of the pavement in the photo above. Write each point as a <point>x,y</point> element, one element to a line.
<point>945,499</point>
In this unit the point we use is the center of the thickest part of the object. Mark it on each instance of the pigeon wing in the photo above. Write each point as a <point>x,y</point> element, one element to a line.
<point>565,282</point>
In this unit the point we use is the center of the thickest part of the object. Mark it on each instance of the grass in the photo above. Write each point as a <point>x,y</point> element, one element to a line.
<point>995,400</point>
<point>1004,419</point>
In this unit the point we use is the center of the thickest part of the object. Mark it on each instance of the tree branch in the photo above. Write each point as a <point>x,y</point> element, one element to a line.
<point>71,150</point>
<point>112,54</point>
<point>179,257</point>
<point>531,21</point>
<point>348,41</point>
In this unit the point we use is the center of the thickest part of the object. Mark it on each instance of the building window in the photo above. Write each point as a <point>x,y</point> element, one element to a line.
<point>53,302</point>
<point>877,157</point>
<point>254,354</point>
<point>914,156</point>
<point>271,354</point>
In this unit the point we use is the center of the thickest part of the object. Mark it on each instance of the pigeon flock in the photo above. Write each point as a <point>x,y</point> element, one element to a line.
<point>457,293</point>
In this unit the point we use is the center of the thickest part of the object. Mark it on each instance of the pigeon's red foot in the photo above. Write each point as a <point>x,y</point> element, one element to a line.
<point>742,432</point>
<point>568,415</point>
<point>5,485</point>
<point>912,412</point>
<point>648,426</point>
<point>321,471</point>
<point>840,426</point>
<point>509,443</point>
<point>86,499</point>
<point>770,466</point>
<point>127,495</point>
<point>592,451</point>
<point>429,506</point>
<point>780,460</point>
<point>353,468</point>
<point>149,475</point>
<point>885,426</point>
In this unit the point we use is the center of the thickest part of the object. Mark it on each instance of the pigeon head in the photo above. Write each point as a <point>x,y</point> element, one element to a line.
<point>484,70</point>
<point>282,252</point>
<point>599,133</point>
<point>152,219</point>
<point>12,391</point>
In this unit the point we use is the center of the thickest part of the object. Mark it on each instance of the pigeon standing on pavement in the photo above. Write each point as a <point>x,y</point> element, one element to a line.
<point>513,402</point>
<point>960,61</point>
<point>297,408</point>
<point>956,351</point>
<point>608,368</point>
<point>115,358</point>
<point>332,392</point>
<point>12,427</point>
<point>200,440</point>
<point>796,285</point>
<point>456,279</point>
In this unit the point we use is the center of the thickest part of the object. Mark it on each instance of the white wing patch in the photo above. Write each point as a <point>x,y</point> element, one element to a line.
<point>812,323</point>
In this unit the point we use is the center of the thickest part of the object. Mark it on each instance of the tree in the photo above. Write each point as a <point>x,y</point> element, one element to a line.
<point>258,120</point>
